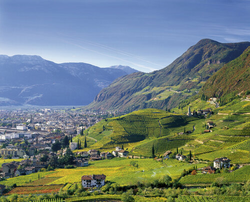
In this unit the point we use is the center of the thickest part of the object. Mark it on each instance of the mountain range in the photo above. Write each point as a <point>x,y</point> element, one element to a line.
<point>167,87</point>
<point>26,79</point>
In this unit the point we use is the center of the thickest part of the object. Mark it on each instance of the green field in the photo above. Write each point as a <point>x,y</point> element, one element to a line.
<point>120,171</point>
<point>117,170</point>
<point>240,175</point>
<point>8,161</point>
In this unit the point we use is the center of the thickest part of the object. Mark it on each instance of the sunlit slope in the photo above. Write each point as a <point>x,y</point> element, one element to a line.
<point>141,130</point>
<point>167,87</point>
<point>230,81</point>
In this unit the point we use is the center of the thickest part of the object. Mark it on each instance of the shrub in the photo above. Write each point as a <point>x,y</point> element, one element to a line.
<point>126,197</point>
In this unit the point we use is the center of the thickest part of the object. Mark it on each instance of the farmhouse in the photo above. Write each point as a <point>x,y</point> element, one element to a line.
<point>208,169</point>
<point>180,157</point>
<point>166,154</point>
<point>122,153</point>
<point>223,162</point>
<point>93,180</point>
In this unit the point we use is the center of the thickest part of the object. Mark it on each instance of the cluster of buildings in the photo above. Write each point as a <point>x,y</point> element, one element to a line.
<point>200,112</point>
<point>24,167</point>
<point>48,120</point>
<point>94,154</point>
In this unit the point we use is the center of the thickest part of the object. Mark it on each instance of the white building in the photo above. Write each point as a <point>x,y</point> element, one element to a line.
<point>21,127</point>
<point>122,153</point>
<point>93,180</point>
<point>223,162</point>
<point>118,148</point>
<point>73,145</point>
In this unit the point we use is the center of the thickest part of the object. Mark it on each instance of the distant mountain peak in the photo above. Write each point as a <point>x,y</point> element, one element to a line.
<point>27,57</point>
<point>30,79</point>
<point>127,69</point>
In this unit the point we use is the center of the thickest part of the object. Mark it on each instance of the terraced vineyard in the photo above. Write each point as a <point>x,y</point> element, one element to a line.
<point>240,175</point>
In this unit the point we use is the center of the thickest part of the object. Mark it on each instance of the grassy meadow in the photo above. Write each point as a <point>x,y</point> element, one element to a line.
<point>118,170</point>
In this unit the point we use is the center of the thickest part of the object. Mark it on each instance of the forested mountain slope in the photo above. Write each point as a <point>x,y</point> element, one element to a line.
<point>167,87</point>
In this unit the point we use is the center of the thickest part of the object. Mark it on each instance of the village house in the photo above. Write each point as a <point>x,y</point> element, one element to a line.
<point>180,157</point>
<point>223,162</point>
<point>166,154</point>
<point>9,169</point>
<point>89,181</point>
<point>118,148</point>
<point>209,170</point>
<point>123,153</point>
<point>93,152</point>
<point>210,124</point>
<point>108,155</point>
<point>95,158</point>
<point>29,170</point>
<point>81,162</point>
<point>115,153</point>
<point>83,154</point>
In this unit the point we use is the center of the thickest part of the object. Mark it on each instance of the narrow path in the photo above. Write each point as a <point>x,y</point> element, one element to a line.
<point>160,127</point>
<point>92,138</point>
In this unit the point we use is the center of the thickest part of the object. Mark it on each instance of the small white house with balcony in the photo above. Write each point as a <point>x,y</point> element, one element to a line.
<point>89,181</point>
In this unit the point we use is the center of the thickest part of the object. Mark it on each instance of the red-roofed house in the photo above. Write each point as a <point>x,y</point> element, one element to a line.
<point>93,180</point>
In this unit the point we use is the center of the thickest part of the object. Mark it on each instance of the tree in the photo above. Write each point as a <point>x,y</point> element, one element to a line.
<point>126,197</point>
<point>166,179</point>
<point>53,161</point>
<point>153,151</point>
<point>56,146</point>
<point>65,142</point>
<point>44,158</point>
<point>78,144</point>
<point>85,142</point>
<point>81,133</point>
<point>194,172</point>
<point>69,157</point>
<point>190,155</point>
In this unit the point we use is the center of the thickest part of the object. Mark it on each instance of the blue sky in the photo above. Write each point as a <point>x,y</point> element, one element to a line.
<point>144,34</point>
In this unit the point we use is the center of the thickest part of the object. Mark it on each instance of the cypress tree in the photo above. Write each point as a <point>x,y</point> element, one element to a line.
<point>153,151</point>
<point>190,155</point>
<point>78,144</point>
<point>85,142</point>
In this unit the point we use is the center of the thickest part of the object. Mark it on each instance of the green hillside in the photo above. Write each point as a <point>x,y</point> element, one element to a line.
<point>167,87</point>
<point>139,131</point>
<point>230,81</point>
